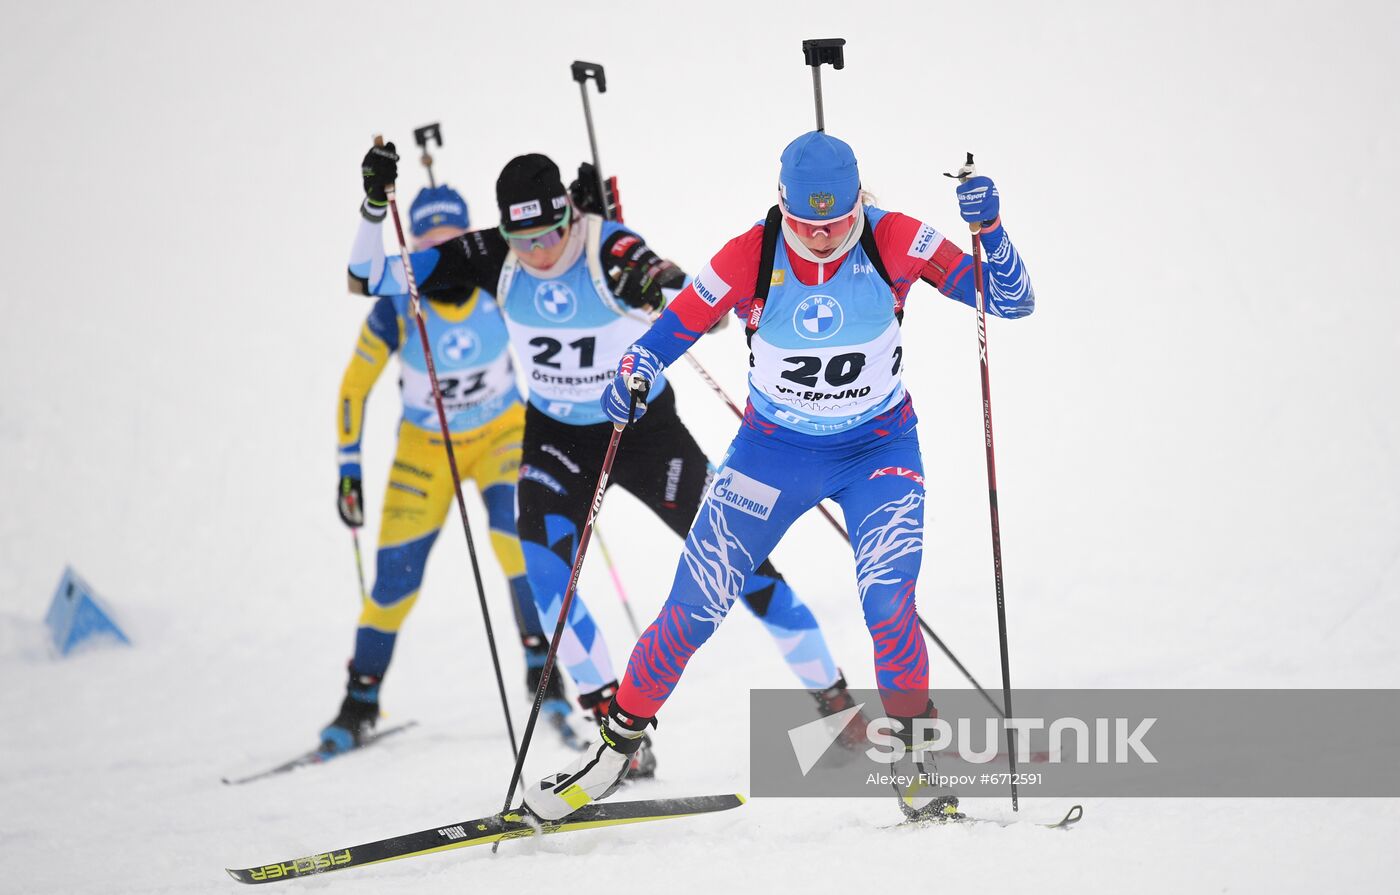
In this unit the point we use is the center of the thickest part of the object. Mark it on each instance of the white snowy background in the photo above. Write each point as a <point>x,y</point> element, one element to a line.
<point>1197,438</point>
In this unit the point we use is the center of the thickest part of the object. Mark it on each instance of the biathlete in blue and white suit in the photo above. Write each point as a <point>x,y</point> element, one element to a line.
<point>575,291</point>
<point>828,417</point>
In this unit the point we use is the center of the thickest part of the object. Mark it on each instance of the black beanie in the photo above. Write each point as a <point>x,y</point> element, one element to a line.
<point>530,193</point>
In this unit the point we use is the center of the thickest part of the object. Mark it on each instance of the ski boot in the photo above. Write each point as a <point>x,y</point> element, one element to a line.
<point>597,773</point>
<point>642,761</point>
<point>555,706</point>
<point>836,699</point>
<point>919,800</point>
<point>359,712</point>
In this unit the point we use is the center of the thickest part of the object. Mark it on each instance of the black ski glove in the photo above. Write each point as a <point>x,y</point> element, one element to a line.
<point>379,169</point>
<point>349,500</point>
<point>584,192</point>
<point>637,275</point>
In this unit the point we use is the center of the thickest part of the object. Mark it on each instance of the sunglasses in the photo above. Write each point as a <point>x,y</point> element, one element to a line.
<point>548,238</point>
<point>833,229</point>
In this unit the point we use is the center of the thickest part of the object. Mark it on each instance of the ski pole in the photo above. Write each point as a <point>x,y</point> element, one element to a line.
<point>417,307</point>
<point>359,562</point>
<point>584,536</point>
<point>964,173</point>
<point>617,583</point>
<point>817,52</point>
<point>581,72</point>
<point>423,136</point>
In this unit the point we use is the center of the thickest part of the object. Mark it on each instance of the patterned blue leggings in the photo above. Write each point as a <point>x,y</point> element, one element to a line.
<point>764,485</point>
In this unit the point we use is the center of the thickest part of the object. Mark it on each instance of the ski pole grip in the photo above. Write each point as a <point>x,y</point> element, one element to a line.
<point>970,169</point>
<point>389,192</point>
<point>825,51</point>
<point>582,71</point>
<point>428,133</point>
<point>967,170</point>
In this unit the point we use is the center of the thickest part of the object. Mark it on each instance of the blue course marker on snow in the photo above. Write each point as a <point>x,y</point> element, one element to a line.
<point>76,614</point>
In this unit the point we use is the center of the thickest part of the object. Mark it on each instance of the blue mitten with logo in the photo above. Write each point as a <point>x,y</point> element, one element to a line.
<point>636,371</point>
<point>978,201</point>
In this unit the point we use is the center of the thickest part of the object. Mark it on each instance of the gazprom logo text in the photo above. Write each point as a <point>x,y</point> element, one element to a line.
<point>744,494</point>
<point>710,286</point>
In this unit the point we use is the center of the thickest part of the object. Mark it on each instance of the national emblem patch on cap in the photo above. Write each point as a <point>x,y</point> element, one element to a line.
<point>822,203</point>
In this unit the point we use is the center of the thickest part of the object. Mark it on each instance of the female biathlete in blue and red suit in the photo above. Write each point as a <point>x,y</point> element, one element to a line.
<point>828,417</point>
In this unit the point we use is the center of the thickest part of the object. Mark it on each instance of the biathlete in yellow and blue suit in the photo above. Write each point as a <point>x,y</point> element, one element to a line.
<point>487,420</point>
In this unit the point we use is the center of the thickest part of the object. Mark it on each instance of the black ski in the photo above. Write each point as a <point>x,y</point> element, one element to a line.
<point>513,824</point>
<point>318,756</point>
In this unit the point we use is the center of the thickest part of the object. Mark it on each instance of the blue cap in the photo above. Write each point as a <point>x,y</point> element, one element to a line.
<point>437,206</point>
<point>819,179</point>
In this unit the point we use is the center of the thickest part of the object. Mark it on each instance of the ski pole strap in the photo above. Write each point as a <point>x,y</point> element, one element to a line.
<point>772,228</point>
<point>610,186</point>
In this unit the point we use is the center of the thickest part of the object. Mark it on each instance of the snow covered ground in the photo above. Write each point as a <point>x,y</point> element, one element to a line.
<point>1198,449</point>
